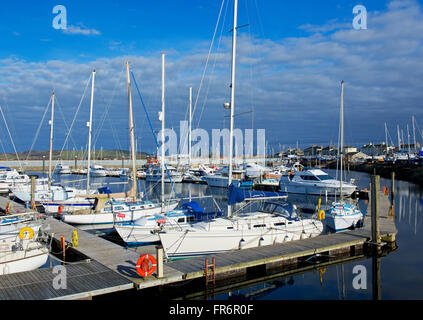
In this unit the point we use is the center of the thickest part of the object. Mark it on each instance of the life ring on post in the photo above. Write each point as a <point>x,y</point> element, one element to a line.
<point>143,265</point>
<point>24,232</point>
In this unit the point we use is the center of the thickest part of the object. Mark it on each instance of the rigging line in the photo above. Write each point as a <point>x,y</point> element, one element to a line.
<point>11,139</point>
<point>66,125</point>
<point>213,69</point>
<point>152,130</point>
<point>208,57</point>
<point>77,110</point>
<point>106,112</point>
<point>37,132</point>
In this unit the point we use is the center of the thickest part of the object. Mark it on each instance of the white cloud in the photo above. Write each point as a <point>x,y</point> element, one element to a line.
<point>81,30</point>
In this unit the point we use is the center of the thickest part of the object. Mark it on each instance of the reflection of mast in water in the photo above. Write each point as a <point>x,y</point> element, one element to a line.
<point>409,206</point>
<point>400,206</point>
<point>415,216</point>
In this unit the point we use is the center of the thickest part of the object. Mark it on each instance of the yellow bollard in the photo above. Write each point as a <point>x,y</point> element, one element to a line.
<point>75,239</point>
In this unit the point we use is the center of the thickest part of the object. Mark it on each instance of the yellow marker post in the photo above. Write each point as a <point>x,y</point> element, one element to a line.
<point>75,239</point>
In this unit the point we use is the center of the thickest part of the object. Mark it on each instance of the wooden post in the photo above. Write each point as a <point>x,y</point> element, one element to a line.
<point>393,193</point>
<point>377,290</point>
<point>375,194</point>
<point>159,256</point>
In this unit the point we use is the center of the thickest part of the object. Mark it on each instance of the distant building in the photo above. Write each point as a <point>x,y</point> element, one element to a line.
<point>376,149</point>
<point>329,151</point>
<point>313,150</point>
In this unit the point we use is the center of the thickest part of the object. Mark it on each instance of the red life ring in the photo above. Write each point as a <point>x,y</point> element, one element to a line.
<point>60,210</point>
<point>143,265</point>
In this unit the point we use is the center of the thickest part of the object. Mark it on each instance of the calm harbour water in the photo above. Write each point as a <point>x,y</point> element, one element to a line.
<point>400,271</point>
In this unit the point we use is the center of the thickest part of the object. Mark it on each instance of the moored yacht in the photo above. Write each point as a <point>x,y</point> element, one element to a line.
<point>314,182</point>
<point>275,222</point>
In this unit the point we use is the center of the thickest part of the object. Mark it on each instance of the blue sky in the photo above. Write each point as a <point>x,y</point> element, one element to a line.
<point>291,59</point>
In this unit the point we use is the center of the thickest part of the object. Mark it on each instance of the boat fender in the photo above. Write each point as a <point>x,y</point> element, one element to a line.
<point>143,265</point>
<point>60,210</point>
<point>321,215</point>
<point>26,233</point>
<point>7,207</point>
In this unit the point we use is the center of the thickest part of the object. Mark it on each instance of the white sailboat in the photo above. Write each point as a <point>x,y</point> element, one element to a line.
<point>342,215</point>
<point>273,223</point>
<point>19,249</point>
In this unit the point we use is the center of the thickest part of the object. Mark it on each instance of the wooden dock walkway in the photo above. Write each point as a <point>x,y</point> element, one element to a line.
<point>116,265</point>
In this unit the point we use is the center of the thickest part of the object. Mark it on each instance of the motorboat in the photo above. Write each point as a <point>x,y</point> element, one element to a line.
<point>170,175</point>
<point>10,178</point>
<point>98,171</point>
<point>63,169</point>
<point>220,179</point>
<point>314,182</point>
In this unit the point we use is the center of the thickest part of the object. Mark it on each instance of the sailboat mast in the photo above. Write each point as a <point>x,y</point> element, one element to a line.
<point>131,131</point>
<point>342,134</point>
<point>51,140</point>
<point>414,136</point>
<point>399,139</point>
<point>408,140</point>
<point>386,139</point>
<point>90,131</point>
<point>231,136</point>
<point>189,129</point>
<point>163,127</point>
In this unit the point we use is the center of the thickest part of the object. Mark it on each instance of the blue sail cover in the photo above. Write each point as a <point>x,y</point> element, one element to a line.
<point>193,206</point>
<point>237,195</point>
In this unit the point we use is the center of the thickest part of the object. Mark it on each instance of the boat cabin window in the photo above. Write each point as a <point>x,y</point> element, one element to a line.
<point>190,219</point>
<point>309,178</point>
<point>324,177</point>
<point>259,226</point>
<point>279,224</point>
<point>181,220</point>
<point>119,208</point>
<point>229,227</point>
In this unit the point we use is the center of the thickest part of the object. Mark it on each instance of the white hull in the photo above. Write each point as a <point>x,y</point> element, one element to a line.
<point>320,190</point>
<point>175,179</point>
<point>219,181</point>
<point>110,218</point>
<point>342,222</point>
<point>136,235</point>
<point>21,261</point>
<point>192,243</point>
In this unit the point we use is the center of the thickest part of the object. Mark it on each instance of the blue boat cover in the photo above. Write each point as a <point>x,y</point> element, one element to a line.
<point>104,190</point>
<point>239,195</point>
<point>421,153</point>
<point>193,206</point>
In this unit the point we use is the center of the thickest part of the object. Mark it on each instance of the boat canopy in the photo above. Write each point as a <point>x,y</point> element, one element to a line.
<point>237,195</point>
<point>193,206</point>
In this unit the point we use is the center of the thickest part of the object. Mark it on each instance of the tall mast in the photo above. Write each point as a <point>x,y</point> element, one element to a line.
<point>399,139</point>
<point>386,139</point>
<point>51,140</point>
<point>414,136</point>
<point>131,131</point>
<point>408,139</point>
<point>189,129</point>
<point>231,136</point>
<point>90,132</point>
<point>342,134</point>
<point>163,126</point>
